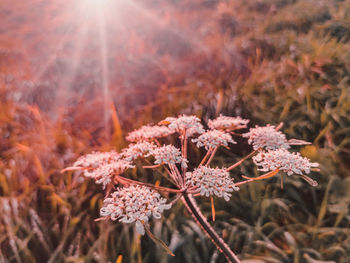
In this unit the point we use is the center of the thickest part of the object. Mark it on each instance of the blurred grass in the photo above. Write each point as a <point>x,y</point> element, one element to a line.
<point>297,71</point>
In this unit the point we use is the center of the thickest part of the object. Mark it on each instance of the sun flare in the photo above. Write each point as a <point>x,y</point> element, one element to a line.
<point>96,4</point>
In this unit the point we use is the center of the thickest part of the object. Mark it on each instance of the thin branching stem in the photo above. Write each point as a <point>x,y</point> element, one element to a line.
<point>175,174</point>
<point>242,160</point>
<point>178,175</point>
<point>244,182</point>
<point>124,180</point>
<point>170,179</point>
<point>212,156</point>
<point>151,166</point>
<point>157,142</point>
<point>184,154</point>
<point>184,144</point>
<point>261,177</point>
<point>177,198</point>
<point>279,126</point>
<point>195,212</point>
<point>205,157</point>
<point>182,141</point>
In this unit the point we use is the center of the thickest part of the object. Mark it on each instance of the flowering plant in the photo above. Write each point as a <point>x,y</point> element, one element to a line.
<point>136,202</point>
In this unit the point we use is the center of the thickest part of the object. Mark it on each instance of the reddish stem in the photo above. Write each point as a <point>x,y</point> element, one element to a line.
<point>195,212</point>
<point>212,156</point>
<point>124,180</point>
<point>205,157</point>
<point>242,160</point>
<point>151,166</point>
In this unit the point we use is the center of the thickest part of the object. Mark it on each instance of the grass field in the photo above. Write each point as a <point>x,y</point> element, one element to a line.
<point>269,61</point>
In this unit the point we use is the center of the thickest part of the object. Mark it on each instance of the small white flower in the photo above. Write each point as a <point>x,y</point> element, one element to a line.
<point>168,154</point>
<point>102,165</point>
<point>213,138</point>
<point>147,133</point>
<point>189,124</point>
<point>134,203</point>
<point>95,159</point>
<point>290,163</point>
<point>266,137</point>
<point>137,150</point>
<point>227,123</point>
<point>212,181</point>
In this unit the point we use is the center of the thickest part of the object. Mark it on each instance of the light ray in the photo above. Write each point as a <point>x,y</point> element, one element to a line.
<point>179,32</point>
<point>66,82</point>
<point>105,68</point>
<point>63,12</point>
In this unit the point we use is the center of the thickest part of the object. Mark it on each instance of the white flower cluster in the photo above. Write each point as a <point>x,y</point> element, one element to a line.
<point>190,124</point>
<point>212,181</point>
<point>104,173</point>
<point>147,133</point>
<point>291,163</point>
<point>213,138</point>
<point>137,203</point>
<point>95,159</point>
<point>168,154</point>
<point>101,166</point>
<point>137,150</point>
<point>266,137</point>
<point>134,204</point>
<point>227,123</point>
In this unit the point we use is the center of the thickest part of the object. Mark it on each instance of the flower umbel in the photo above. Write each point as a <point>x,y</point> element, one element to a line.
<point>137,150</point>
<point>266,137</point>
<point>168,154</point>
<point>134,204</point>
<point>212,139</point>
<point>291,163</point>
<point>101,165</point>
<point>95,159</point>
<point>227,123</point>
<point>147,133</point>
<point>212,181</point>
<point>104,173</point>
<point>190,124</point>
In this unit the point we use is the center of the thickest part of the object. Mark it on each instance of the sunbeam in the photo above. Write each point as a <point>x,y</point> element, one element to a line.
<point>104,63</point>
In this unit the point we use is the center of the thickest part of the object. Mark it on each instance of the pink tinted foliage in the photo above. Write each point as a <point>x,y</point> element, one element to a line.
<point>136,202</point>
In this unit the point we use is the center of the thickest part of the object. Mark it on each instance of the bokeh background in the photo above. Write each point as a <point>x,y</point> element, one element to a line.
<point>77,75</point>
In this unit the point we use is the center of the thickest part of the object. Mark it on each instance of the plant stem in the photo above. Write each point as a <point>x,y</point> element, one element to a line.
<point>212,156</point>
<point>205,157</point>
<point>184,153</point>
<point>124,180</point>
<point>242,160</point>
<point>195,212</point>
<point>151,166</point>
<point>261,177</point>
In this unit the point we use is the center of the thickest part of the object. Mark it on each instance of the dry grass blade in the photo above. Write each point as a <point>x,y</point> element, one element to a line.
<point>158,241</point>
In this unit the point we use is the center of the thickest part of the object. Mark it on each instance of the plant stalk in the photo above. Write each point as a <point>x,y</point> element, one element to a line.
<point>195,212</point>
